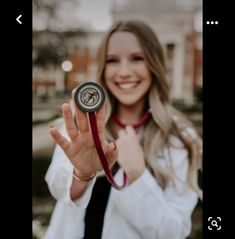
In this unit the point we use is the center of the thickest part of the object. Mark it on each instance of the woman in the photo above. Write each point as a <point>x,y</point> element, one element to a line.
<point>160,154</point>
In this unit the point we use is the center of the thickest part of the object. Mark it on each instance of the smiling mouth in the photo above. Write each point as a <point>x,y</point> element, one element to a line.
<point>127,85</point>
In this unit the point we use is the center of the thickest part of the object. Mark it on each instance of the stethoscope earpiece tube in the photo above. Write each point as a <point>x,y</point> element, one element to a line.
<point>100,152</point>
<point>89,97</point>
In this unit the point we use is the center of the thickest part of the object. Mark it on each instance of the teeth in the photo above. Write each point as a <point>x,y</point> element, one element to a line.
<point>127,85</point>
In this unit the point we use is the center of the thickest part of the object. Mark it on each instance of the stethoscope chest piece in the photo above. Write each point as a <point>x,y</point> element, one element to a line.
<point>89,96</point>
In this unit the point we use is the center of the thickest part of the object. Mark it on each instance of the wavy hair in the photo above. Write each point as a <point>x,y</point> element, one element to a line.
<point>166,120</point>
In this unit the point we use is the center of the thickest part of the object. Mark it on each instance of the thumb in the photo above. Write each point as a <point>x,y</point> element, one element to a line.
<point>112,153</point>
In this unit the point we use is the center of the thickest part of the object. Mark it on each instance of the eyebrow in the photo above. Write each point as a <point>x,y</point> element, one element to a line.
<point>138,53</point>
<point>110,55</point>
<point>132,53</point>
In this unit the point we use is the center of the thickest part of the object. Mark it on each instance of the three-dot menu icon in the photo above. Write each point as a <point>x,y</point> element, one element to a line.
<point>212,22</point>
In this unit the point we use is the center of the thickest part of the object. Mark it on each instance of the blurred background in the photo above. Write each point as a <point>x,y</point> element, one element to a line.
<point>66,35</point>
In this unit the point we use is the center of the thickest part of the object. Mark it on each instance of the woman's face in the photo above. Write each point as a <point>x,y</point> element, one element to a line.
<point>126,72</point>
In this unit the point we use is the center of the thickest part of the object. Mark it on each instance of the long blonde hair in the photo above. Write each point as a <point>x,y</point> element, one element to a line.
<point>166,120</point>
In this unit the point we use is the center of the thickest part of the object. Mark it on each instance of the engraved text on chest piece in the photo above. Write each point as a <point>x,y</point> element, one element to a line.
<point>90,96</point>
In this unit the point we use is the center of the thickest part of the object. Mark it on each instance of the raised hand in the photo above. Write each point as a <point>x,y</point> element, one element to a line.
<point>130,153</point>
<point>80,148</point>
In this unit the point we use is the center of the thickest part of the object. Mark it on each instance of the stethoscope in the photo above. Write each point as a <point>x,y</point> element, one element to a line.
<point>89,97</point>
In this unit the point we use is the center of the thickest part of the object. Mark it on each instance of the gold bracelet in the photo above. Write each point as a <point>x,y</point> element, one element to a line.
<point>83,178</point>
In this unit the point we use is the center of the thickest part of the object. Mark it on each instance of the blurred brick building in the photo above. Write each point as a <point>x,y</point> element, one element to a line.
<point>174,23</point>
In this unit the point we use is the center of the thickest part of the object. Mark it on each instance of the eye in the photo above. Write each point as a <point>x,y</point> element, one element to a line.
<point>111,60</point>
<point>138,58</point>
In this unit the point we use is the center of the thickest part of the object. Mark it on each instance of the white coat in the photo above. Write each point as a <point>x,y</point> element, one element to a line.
<point>140,211</point>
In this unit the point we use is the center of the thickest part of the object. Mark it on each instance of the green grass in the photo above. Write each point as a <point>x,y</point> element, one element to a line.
<point>40,121</point>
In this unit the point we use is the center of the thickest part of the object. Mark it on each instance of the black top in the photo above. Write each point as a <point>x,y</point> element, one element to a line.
<point>96,208</point>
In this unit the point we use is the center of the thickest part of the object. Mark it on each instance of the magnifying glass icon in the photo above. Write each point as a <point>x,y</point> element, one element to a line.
<point>214,223</point>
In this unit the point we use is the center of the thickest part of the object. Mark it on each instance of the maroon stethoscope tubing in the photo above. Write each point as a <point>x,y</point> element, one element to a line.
<point>101,154</point>
<point>143,121</point>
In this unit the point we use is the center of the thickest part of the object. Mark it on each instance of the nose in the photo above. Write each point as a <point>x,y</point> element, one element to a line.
<point>124,69</point>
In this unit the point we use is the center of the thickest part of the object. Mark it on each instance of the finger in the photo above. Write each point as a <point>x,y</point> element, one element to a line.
<point>112,153</point>
<point>121,133</point>
<point>69,122</point>
<point>59,139</point>
<point>100,119</point>
<point>81,117</point>
<point>117,143</point>
<point>129,130</point>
